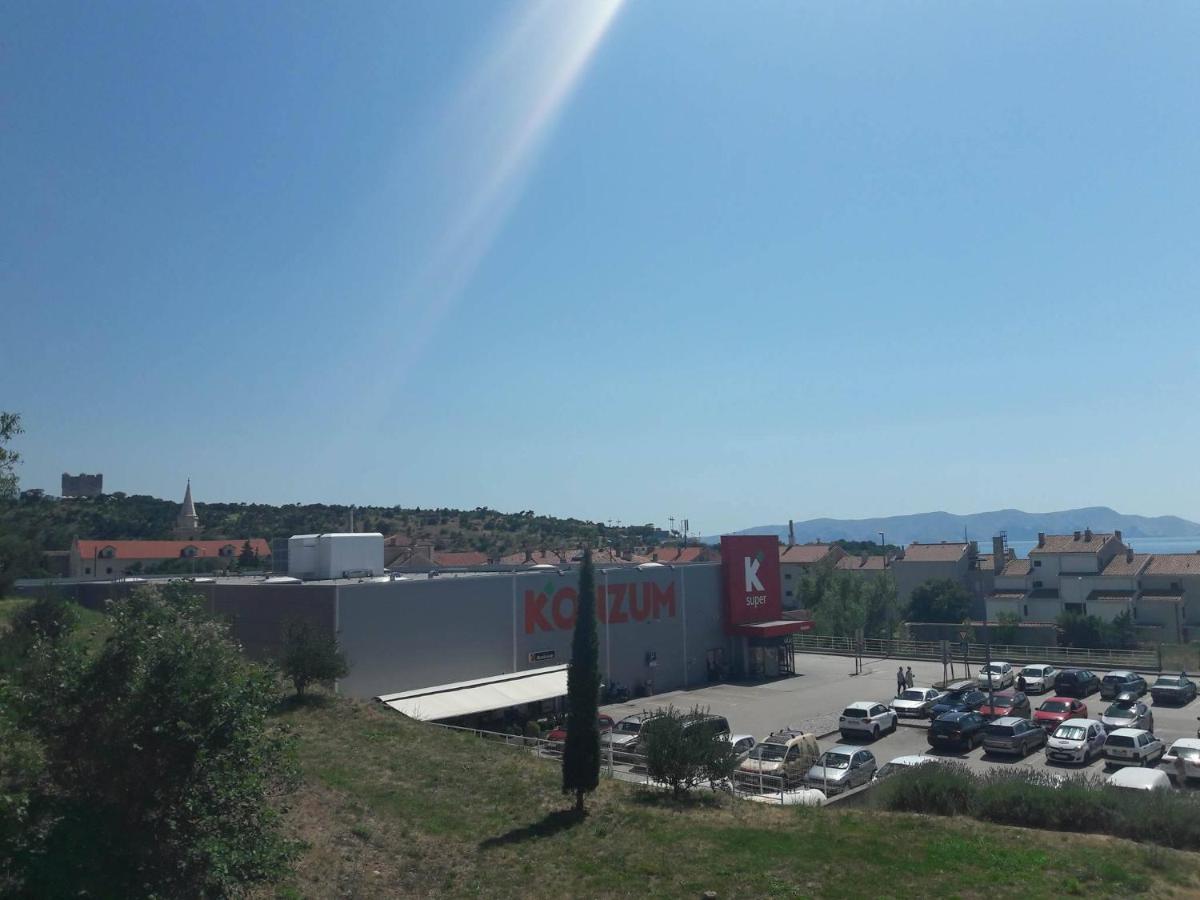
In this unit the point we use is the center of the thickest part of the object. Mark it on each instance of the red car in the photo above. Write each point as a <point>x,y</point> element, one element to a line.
<point>559,734</point>
<point>1006,703</point>
<point>1057,710</point>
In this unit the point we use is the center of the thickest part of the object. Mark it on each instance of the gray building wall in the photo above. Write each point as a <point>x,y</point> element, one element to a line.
<point>403,635</point>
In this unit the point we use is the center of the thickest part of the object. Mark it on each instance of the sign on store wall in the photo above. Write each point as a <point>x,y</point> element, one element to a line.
<point>752,583</point>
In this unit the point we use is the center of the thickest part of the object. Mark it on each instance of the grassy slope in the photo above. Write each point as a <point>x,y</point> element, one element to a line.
<point>391,808</point>
<point>90,634</point>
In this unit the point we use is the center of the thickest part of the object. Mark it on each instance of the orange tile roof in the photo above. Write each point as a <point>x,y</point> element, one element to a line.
<point>941,552</point>
<point>855,563</point>
<point>684,554</point>
<point>1066,543</point>
<point>459,559</point>
<point>1016,567</point>
<point>1174,564</point>
<point>804,553</point>
<point>168,549</point>
<point>1122,565</point>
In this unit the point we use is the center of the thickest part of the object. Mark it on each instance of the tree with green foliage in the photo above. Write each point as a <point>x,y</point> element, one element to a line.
<point>841,610</point>
<point>581,754</point>
<point>160,759</point>
<point>1006,630</point>
<point>247,558</point>
<point>1093,633</point>
<point>881,602</point>
<point>682,753</point>
<point>10,427</point>
<point>311,656</point>
<point>939,600</point>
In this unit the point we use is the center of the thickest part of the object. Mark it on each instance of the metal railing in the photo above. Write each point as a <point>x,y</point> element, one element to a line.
<point>1146,660</point>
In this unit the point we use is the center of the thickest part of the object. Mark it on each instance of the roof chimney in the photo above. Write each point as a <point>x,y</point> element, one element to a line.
<point>791,533</point>
<point>1041,539</point>
<point>997,553</point>
<point>1128,554</point>
<point>1117,533</point>
<point>1087,534</point>
<point>1078,535</point>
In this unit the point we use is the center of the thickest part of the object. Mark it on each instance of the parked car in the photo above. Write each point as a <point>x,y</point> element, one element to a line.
<point>966,700</point>
<point>900,763</point>
<point>1056,710</point>
<point>559,732</point>
<point>1139,780</point>
<point>796,797</point>
<point>714,726</point>
<point>785,755</point>
<point>1076,683</point>
<point>1006,703</point>
<point>1122,682</point>
<point>841,768</point>
<point>961,729</point>
<point>996,675</point>
<point>1183,759</point>
<point>742,744</point>
<point>1173,689</point>
<point>1076,741</point>
<point>1036,678</point>
<point>625,734</point>
<point>1012,734</point>
<point>1133,747</point>
<point>916,702</point>
<point>1127,711</point>
<point>866,718</point>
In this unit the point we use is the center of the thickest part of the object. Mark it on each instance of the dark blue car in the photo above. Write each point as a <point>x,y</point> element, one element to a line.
<point>966,700</point>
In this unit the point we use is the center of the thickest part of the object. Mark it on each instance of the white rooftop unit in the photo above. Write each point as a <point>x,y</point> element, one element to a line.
<point>323,556</point>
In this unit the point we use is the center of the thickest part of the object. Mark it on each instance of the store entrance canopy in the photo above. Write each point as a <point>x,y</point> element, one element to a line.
<point>445,701</point>
<point>778,628</point>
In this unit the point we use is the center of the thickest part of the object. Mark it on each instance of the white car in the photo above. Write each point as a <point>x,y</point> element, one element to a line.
<point>1076,741</point>
<point>1183,759</point>
<point>1140,780</point>
<point>1132,747</point>
<point>742,744</point>
<point>915,702</point>
<point>900,763</point>
<point>866,717</point>
<point>1036,678</point>
<point>798,797</point>
<point>998,675</point>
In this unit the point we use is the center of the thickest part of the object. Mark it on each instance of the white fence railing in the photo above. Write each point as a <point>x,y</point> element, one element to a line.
<point>1146,660</point>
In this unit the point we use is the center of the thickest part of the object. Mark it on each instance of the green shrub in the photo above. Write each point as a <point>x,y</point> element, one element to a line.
<point>532,730</point>
<point>943,789</point>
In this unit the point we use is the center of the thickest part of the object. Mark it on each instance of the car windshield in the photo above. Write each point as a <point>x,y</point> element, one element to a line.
<point>769,752</point>
<point>1121,711</point>
<point>1054,706</point>
<point>1000,730</point>
<point>1036,671</point>
<point>834,761</point>
<point>1119,740</point>
<point>913,695</point>
<point>629,727</point>
<point>1113,679</point>
<point>1168,682</point>
<point>1191,754</point>
<point>994,668</point>
<point>1071,733</point>
<point>954,697</point>
<point>855,713</point>
<point>942,725</point>
<point>1002,701</point>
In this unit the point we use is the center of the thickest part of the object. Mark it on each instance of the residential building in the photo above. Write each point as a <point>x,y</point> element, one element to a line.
<point>118,559</point>
<point>796,560</point>
<point>918,563</point>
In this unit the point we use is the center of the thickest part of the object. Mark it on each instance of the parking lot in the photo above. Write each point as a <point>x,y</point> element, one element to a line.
<point>824,685</point>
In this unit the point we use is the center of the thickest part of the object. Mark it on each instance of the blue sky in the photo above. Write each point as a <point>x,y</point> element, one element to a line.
<point>735,262</point>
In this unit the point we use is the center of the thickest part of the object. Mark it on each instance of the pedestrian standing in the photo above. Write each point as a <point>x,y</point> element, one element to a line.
<point>909,680</point>
<point>900,681</point>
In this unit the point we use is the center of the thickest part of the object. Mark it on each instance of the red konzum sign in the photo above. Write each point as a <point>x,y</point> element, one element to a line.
<point>752,583</point>
<point>625,603</point>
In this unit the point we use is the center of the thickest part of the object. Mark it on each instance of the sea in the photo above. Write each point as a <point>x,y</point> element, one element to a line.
<point>1140,545</point>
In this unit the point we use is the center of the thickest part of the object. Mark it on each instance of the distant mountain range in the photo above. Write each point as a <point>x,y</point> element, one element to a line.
<point>1019,525</point>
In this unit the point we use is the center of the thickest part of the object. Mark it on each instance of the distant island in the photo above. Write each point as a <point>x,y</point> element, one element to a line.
<point>1019,526</point>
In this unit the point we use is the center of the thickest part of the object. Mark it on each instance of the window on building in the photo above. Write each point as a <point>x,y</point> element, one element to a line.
<point>1037,563</point>
<point>1079,608</point>
<point>787,575</point>
<point>108,571</point>
<point>1026,608</point>
<point>1176,586</point>
<point>87,571</point>
<point>1037,584</point>
<point>787,593</point>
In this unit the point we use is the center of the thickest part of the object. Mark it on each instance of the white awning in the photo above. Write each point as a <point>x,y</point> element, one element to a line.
<point>444,701</point>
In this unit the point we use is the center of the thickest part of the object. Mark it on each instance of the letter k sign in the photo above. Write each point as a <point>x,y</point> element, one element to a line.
<point>752,582</point>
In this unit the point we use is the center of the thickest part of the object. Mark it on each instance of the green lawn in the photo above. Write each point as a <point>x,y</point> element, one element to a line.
<point>90,633</point>
<point>390,808</point>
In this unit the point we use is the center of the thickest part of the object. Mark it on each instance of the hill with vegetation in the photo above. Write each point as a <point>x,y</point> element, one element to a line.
<point>32,525</point>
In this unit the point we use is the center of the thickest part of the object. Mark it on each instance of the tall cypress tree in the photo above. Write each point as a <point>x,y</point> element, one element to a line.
<point>581,755</point>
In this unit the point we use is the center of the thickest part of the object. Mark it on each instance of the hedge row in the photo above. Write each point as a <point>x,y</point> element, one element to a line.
<point>1034,799</point>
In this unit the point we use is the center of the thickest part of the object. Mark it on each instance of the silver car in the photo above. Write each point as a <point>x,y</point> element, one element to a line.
<point>1128,712</point>
<point>841,768</point>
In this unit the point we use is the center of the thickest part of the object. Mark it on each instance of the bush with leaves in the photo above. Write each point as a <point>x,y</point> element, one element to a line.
<point>160,759</point>
<point>311,656</point>
<point>681,752</point>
